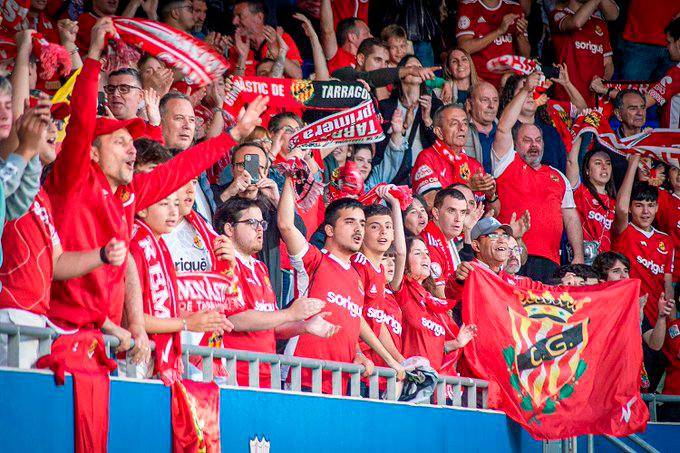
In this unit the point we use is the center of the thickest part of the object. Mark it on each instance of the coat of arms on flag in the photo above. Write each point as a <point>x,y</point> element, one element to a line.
<point>546,357</point>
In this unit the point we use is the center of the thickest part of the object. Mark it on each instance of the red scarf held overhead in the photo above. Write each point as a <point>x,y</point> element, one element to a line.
<point>402,193</point>
<point>360,124</point>
<point>161,296</point>
<point>83,354</point>
<point>199,62</point>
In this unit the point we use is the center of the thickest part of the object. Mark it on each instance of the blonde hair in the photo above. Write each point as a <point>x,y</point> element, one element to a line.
<point>474,79</point>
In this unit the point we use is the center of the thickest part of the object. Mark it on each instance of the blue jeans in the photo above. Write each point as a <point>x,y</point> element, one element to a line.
<point>643,61</point>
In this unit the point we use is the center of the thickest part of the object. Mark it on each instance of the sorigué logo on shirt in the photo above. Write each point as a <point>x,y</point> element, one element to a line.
<point>345,302</point>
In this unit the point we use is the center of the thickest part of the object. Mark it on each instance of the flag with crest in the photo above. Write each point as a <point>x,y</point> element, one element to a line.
<point>566,359</point>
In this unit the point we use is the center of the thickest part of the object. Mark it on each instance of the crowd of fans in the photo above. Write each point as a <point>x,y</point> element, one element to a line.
<point>102,225</point>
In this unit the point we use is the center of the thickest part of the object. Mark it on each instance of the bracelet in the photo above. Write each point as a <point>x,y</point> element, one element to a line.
<point>184,324</point>
<point>103,257</point>
<point>491,200</point>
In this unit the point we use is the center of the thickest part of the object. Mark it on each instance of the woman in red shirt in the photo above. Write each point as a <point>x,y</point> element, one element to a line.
<point>424,331</point>
<point>594,196</point>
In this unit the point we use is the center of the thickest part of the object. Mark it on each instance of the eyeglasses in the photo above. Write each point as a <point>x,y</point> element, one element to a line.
<point>494,236</point>
<point>123,88</point>
<point>255,223</point>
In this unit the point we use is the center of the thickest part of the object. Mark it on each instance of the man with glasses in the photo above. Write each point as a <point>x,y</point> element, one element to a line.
<point>124,93</point>
<point>178,14</point>
<point>260,322</point>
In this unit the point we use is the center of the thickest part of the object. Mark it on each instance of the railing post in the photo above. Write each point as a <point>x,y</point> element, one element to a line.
<point>440,392</point>
<point>185,363</point>
<point>336,382</point>
<point>355,384</point>
<point>373,386</point>
<point>485,397</point>
<point>316,379</point>
<point>391,394</point>
<point>652,408</point>
<point>231,370</point>
<point>130,368</point>
<point>254,373</point>
<point>275,383</point>
<point>207,366</point>
<point>44,346</point>
<point>457,393</point>
<point>13,342</point>
<point>296,377</point>
<point>471,392</point>
<point>591,443</point>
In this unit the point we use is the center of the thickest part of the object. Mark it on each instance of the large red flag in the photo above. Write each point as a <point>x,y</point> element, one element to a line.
<point>566,359</point>
<point>195,417</point>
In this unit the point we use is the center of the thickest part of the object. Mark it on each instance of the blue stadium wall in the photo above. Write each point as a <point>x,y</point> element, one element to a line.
<point>37,416</point>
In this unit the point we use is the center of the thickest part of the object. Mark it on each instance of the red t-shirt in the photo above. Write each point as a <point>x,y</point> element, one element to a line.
<point>668,220</point>
<point>254,57</point>
<point>543,192</point>
<point>424,331</point>
<point>584,49</point>
<point>322,275</point>
<point>671,348</point>
<point>26,272</point>
<point>647,20</point>
<point>258,295</point>
<point>86,22</point>
<point>431,171</point>
<point>443,254</point>
<point>476,19</point>
<point>666,93</point>
<point>373,281</point>
<point>88,214</point>
<point>341,59</point>
<point>596,221</point>
<point>651,256</point>
<point>343,9</point>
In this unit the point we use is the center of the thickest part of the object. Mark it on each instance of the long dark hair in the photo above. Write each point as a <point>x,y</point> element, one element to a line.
<point>508,93</point>
<point>428,283</point>
<point>609,188</point>
<point>398,91</point>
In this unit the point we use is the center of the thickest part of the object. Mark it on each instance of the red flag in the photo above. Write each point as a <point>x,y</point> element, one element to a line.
<point>195,417</point>
<point>565,359</point>
<point>83,354</point>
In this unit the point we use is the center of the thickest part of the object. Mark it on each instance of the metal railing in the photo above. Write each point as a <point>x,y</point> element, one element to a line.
<point>467,392</point>
<point>654,399</point>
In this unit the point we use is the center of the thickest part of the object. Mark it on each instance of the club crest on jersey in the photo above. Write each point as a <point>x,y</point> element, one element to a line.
<point>661,248</point>
<point>126,197</point>
<point>464,22</point>
<point>465,171</point>
<point>598,30</point>
<point>554,178</point>
<point>198,242</point>
<point>436,270</point>
<point>92,348</point>
<point>545,361</point>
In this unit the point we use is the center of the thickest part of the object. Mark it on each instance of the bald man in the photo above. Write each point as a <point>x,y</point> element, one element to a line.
<point>482,107</point>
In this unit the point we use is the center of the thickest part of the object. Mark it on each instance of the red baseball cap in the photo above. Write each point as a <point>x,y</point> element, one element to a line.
<point>135,126</point>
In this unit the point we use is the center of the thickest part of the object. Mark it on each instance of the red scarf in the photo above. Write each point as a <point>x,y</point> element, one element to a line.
<point>207,235</point>
<point>160,298</point>
<point>445,152</point>
<point>199,62</point>
<point>53,59</point>
<point>416,291</point>
<point>512,63</point>
<point>360,124</point>
<point>402,193</point>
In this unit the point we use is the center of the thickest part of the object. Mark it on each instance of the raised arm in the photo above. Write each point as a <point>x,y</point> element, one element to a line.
<point>75,150</point>
<point>502,143</point>
<point>295,241</point>
<point>399,235</point>
<point>573,172</point>
<point>623,197</point>
<point>320,65</point>
<point>329,41</point>
<point>610,10</point>
<point>578,20</point>
<point>20,78</point>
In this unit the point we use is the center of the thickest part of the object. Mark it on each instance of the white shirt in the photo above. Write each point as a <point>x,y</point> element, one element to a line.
<point>187,248</point>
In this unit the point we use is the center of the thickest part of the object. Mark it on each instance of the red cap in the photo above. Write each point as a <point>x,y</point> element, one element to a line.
<point>135,126</point>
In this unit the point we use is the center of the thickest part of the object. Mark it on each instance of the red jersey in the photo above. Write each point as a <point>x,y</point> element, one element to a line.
<point>596,219</point>
<point>341,59</point>
<point>668,221</point>
<point>424,330</point>
<point>373,282</point>
<point>651,256</point>
<point>255,57</point>
<point>647,20</point>
<point>86,22</point>
<point>518,189</point>
<point>666,93</point>
<point>434,170</point>
<point>585,49</point>
<point>443,253</point>
<point>322,275</point>
<point>671,348</point>
<point>88,214</point>
<point>344,9</point>
<point>26,272</point>
<point>476,19</point>
<point>258,295</point>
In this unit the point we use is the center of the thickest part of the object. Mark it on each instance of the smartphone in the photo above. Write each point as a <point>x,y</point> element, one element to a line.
<point>251,163</point>
<point>101,103</point>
